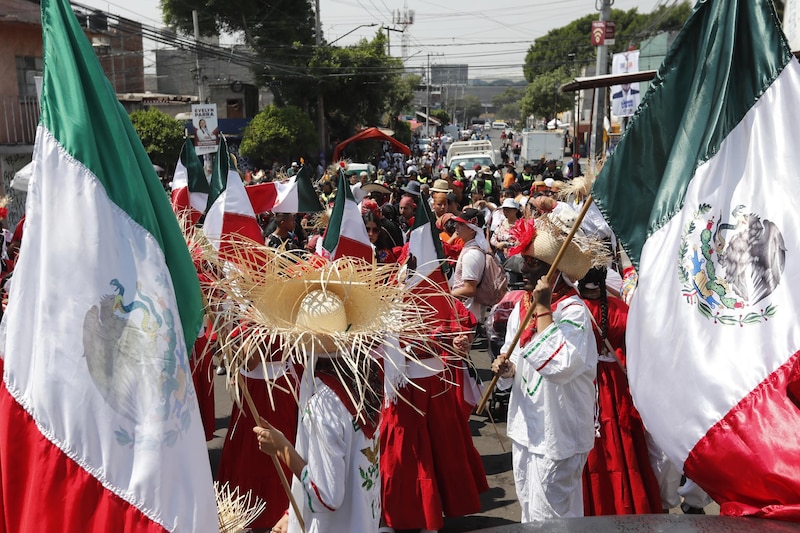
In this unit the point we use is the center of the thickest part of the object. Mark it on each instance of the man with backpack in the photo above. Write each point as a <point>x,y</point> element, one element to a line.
<point>478,279</point>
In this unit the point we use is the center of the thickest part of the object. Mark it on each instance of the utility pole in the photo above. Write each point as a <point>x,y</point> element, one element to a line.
<point>599,111</point>
<point>200,87</point>
<point>428,103</point>
<point>323,147</point>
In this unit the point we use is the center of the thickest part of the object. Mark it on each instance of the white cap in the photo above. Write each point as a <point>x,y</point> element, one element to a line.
<point>294,163</point>
<point>510,202</point>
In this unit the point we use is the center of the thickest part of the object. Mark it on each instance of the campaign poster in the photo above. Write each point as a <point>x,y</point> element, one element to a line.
<point>625,98</point>
<point>206,129</point>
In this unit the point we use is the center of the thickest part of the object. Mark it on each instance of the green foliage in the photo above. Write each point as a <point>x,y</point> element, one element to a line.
<point>441,115</point>
<point>507,104</point>
<point>279,134</point>
<point>161,135</point>
<point>569,47</point>
<point>469,105</point>
<point>543,96</point>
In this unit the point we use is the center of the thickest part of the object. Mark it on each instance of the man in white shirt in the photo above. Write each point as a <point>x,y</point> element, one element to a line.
<point>471,262</point>
<point>551,374</point>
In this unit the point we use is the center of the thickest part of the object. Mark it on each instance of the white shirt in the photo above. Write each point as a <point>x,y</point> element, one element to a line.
<point>470,265</point>
<point>340,487</point>
<point>551,407</point>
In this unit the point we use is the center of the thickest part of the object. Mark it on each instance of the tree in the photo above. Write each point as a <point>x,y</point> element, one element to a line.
<point>279,134</point>
<point>360,85</point>
<point>570,47</point>
<point>441,115</point>
<point>543,96</point>
<point>469,105</point>
<point>280,31</point>
<point>161,135</point>
<point>507,103</point>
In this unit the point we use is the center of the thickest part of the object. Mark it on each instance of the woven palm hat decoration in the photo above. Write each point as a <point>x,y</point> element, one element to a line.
<point>543,237</point>
<point>301,309</point>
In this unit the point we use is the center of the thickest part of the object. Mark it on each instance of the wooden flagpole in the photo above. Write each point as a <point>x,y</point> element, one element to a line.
<point>254,411</point>
<point>482,404</point>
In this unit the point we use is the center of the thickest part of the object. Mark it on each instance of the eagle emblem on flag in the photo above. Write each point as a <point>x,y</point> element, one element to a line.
<point>728,267</point>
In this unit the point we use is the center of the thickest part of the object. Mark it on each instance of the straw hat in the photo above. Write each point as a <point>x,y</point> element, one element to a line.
<point>441,186</point>
<point>543,238</point>
<point>298,310</point>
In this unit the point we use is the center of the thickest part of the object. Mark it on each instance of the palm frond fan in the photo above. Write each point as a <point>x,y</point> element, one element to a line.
<point>236,511</point>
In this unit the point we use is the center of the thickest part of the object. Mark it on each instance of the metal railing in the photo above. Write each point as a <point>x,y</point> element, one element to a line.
<point>18,119</point>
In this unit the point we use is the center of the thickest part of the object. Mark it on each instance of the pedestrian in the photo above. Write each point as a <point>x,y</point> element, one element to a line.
<point>551,375</point>
<point>618,478</point>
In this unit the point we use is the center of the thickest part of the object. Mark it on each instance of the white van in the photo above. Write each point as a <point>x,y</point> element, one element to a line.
<point>499,125</point>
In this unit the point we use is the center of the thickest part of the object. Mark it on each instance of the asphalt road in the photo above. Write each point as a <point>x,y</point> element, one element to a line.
<point>500,506</point>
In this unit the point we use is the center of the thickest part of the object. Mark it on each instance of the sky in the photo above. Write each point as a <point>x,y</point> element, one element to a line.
<point>492,41</point>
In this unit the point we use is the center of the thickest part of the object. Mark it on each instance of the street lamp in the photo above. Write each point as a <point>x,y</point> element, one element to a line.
<point>351,31</point>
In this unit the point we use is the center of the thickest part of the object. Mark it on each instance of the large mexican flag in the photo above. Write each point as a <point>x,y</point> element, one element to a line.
<point>700,192</point>
<point>99,424</point>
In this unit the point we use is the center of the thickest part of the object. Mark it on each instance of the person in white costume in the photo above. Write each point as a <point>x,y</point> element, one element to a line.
<point>335,458</point>
<point>551,373</point>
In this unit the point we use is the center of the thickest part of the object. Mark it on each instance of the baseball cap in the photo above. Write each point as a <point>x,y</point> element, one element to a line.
<point>471,216</point>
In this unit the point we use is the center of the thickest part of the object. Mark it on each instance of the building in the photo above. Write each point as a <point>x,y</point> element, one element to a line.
<point>119,47</point>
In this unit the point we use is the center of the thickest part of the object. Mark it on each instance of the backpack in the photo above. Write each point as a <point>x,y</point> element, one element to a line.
<point>494,282</point>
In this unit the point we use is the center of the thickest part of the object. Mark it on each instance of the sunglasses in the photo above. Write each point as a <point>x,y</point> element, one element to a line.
<point>372,229</point>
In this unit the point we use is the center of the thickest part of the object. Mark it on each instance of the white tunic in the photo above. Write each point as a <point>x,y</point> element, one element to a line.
<point>551,406</point>
<point>340,488</point>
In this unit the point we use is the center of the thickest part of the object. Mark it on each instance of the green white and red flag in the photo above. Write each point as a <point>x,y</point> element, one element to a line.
<point>229,215</point>
<point>190,185</point>
<point>346,234</point>
<point>99,424</point>
<point>697,193</point>
<point>295,195</point>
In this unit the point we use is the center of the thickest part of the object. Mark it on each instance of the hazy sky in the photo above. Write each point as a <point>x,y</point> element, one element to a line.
<point>492,38</point>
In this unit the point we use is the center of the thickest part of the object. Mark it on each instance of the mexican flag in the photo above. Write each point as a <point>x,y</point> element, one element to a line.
<point>697,193</point>
<point>229,210</point>
<point>346,234</point>
<point>99,424</point>
<point>425,246</point>
<point>190,186</point>
<point>295,195</point>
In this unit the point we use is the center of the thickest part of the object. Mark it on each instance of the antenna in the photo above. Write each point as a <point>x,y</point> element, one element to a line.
<point>404,19</point>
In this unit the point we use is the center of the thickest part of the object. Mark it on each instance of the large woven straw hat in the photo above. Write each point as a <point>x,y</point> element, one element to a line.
<point>299,310</point>
<point>551,232</point>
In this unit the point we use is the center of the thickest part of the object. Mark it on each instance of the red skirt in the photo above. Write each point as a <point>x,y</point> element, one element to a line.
<point>429,464</point>
<point>202,368</point>
<point>243,465</point>
<point>618,478</point>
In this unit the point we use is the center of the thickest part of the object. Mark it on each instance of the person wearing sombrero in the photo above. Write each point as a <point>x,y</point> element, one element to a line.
<point>334,319</point>
<point>551,373</point>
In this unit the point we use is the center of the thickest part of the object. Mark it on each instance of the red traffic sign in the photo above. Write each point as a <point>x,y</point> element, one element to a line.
<point>611,30</point>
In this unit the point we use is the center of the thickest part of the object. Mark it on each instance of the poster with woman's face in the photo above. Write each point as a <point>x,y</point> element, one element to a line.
<point>204,119</point>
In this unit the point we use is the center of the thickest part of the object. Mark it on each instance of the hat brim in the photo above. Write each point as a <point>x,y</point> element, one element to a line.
<point>375,187</point>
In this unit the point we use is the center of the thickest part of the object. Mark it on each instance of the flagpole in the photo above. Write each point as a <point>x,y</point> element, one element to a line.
<point>254,411</point>
<point>482,404</point>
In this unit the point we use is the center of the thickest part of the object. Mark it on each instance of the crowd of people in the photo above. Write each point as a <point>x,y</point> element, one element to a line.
<point>579,447</point>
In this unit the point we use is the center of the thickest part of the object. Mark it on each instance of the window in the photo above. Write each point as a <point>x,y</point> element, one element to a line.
<point>28,67</point>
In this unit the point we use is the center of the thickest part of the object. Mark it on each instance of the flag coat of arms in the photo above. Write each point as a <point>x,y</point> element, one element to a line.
<point>190,186</point>
<point>697,193</point>
<point>346,234</point>
<point>100,428</point>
